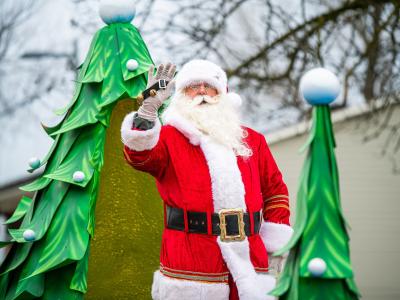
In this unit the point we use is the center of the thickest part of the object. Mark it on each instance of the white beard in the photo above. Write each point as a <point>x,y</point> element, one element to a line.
<point>215,117</point>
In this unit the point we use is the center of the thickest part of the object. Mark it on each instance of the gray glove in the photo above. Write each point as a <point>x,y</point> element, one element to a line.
<point>148,110</point>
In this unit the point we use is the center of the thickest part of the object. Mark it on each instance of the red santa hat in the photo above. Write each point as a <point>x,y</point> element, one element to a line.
<point>199,70</point>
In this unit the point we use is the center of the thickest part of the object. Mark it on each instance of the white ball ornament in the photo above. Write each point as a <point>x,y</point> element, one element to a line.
<point>316,266</point>
<point>29,235</point>
<point>319,86</point>
<point>34,162</point>
<point>78,176</point>
<point>117,11</point>
<point>132,64</point>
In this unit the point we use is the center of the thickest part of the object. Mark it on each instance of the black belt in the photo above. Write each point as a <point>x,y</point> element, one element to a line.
<point>229,220</point>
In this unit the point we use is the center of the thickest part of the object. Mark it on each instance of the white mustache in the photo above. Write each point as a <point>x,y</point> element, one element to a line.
<point>200,98</point>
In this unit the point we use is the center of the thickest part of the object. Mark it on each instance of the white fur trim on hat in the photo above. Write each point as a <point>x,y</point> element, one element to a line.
<point>275,236</point>
<point>166,288</point>
<point>139,140</point>
<point>199,70</point>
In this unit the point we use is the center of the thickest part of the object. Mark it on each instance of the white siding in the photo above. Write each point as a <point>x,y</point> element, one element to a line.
<point>3,237</point>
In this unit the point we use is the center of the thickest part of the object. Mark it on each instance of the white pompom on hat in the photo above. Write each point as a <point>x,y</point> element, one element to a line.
<point>235,99</point>
<point>200,70</point>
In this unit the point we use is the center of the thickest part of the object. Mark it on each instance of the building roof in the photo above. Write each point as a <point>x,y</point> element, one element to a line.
<point>337,117</point>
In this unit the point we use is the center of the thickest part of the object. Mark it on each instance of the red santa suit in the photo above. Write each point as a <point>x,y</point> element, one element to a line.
<point>197,174</point>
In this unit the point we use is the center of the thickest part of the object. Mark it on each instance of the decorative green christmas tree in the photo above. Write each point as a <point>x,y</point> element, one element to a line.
<point>50,250</point>
<point>318,266</point>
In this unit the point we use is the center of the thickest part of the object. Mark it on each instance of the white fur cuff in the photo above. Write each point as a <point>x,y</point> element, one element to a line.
<point>165,288</point>
<point>275,236</point>
<point>250,285</point>
<point>139,140</point>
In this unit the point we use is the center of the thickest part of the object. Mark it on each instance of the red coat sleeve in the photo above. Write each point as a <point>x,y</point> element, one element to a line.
<point>273,188</point>
<point>145,150</point>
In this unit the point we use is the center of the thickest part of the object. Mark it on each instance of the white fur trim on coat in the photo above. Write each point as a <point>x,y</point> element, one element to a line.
<point>226,180</point>
<point>250,285</point>
<point>173,118</point>
<point>139,140</point>
<point>275,236</point>
<point>166,288</point>
<point>228,192</point>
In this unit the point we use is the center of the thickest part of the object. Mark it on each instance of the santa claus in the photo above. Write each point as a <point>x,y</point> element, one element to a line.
<point>226,206</point>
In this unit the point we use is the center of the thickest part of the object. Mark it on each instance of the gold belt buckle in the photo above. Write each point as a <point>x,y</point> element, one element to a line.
<point>222,224</point>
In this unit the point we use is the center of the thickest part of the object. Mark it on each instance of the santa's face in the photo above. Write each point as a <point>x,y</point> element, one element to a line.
<point>200,89</point>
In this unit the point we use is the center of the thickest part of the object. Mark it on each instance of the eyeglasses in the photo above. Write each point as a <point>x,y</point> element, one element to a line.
<point>197,87</point>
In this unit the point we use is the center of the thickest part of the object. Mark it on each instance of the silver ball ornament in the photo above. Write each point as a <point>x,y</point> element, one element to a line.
<point>117,11</point>
<point>319,86</point>
<point>34,162</point>
<point>29,235</point>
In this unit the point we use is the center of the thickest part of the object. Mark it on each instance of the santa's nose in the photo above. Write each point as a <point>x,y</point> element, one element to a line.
<point>202,89</point>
